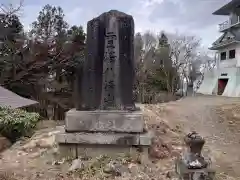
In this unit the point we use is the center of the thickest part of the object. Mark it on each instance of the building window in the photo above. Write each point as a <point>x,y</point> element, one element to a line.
<point>232,54</point>
<point>223,56</point>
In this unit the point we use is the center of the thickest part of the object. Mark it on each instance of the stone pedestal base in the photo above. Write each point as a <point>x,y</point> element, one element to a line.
<point>193,174</point>
<point>111,133</point>
<point>104,121</point>
<point>84,150</point>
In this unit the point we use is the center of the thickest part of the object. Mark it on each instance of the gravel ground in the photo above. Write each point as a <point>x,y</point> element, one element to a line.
<point>37,158</point>
<point>215,118</point>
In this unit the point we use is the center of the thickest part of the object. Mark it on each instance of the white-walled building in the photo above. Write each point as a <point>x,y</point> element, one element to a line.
<point>225,79</point>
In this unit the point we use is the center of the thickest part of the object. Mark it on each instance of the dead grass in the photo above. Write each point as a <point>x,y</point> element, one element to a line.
<point>7,176</point>
<point>216,119</point>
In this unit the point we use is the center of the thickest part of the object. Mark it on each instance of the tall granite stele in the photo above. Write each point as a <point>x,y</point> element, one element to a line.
<point>106,120</point>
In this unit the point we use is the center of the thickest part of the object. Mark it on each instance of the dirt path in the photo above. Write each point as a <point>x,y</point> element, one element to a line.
<point>215,118</point>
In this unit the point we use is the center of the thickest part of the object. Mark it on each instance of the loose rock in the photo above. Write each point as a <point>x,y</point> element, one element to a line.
<point>4,143</point>
<point>115,169</point>
<point>159,149</point>
<point>77,164</point>
<point>169,174</point>
<point>45,143</point>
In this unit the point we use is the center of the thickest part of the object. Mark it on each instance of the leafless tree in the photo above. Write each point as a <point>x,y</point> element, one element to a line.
<point>11,9</point>
<point>184,50</point>
<point>145,46</point>
<point>149,41</point>
<point>209,60</point>
<point>183,57</point>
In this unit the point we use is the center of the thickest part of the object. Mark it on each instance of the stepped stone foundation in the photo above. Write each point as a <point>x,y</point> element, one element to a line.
<point>93,133</point>
<point>106,120</point>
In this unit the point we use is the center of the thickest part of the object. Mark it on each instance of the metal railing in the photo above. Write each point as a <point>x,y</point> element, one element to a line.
<point>224,25</point>
<point>229,23</point>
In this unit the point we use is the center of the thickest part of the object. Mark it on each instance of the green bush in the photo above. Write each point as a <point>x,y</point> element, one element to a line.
<point>15,123</point>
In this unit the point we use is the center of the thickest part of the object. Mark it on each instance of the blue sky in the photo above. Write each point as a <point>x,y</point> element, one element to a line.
<point>185,16</point>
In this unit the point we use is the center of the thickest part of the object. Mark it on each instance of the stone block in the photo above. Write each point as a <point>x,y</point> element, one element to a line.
<point>125,139</point>
<point>104,121</point>
<point>145,139</point>
<point>191,174</point>
<point>107,77</point>
<point>67,150</point>
<point>111,151</point>
<point>93,151</point>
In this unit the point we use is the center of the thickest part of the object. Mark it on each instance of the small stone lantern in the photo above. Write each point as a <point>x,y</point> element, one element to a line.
<point>192,165</point>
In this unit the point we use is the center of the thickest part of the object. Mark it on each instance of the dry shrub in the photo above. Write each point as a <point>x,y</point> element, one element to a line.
<point>6,176</point>
<point>15,123</point>
<point>159,149</point>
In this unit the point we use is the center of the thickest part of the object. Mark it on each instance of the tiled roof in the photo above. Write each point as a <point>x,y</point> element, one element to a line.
<point>227,8</point>
<point>10,99</point>
<point>223,44</point>
<point>226,39</point>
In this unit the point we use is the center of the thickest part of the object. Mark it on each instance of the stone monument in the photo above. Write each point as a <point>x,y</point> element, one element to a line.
<point>105,119</point>
<point>192,165</point>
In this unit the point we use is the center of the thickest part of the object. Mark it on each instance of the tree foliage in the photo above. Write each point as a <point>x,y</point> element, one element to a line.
<point>43,66</point>
<point>162,60</point>
<point>15,123</point>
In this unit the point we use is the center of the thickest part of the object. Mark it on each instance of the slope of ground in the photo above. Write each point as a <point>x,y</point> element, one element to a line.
<point>216,118</point>
<point>36,159</point>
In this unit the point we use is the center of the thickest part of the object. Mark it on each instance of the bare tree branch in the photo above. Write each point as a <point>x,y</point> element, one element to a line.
<point>10,9</point>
